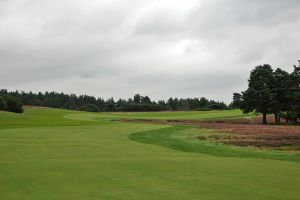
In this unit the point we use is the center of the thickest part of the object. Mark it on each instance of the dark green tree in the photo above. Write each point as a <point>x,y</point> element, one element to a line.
<point>120,104</point>
<point>295,93</point>
<point>13,104</point>
<point>258,96</point>
<point>146,100</point>
<point>203,102</point>
<point>173,103</point>
<point>280,100</point>
<point>237,100</point>
<point>162,104</point>
<point>137,98</point>
<point>110,105</point>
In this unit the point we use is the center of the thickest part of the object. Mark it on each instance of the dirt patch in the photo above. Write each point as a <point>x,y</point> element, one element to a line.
<point>242,132</point>
<point>270,136</point>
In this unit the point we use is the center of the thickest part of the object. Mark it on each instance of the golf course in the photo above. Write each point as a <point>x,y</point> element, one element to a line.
<point>48,154</point>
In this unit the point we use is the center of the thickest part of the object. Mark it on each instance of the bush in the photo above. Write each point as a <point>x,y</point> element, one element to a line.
<point>13,105</point>
<point>290,116</point>
<point>89,108</point>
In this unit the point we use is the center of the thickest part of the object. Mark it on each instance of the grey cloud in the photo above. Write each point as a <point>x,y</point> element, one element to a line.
<point>157,48</point>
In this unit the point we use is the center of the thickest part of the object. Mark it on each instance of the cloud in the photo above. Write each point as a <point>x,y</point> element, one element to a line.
<point>157,48</point>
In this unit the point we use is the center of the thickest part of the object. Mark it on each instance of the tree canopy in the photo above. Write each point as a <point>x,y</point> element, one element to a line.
<point>10,104</point>
<point>92,104</point>
<point>270,91</point>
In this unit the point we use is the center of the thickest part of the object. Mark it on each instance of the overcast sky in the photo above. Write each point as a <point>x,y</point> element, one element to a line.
<point>160,48</point>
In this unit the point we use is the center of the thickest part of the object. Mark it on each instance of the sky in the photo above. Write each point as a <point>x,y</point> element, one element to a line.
<point>159,48</point>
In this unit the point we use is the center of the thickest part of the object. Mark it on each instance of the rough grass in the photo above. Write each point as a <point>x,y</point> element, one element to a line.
<point>48,154</point>
<point>186,139</point>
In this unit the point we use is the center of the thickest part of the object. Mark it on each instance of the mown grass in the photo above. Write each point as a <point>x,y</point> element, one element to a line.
<point>204,115</point>
<point>60,117</point>
<point>41,117</point>
<point>48,154</point>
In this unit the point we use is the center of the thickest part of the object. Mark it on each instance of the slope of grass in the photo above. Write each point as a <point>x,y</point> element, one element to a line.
<point>41,117</point>
<point>46,155</point>
<point>215,114</point>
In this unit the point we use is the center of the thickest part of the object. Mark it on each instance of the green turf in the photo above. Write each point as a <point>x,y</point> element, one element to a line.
<point>216,114</point>
<point>57,154</point>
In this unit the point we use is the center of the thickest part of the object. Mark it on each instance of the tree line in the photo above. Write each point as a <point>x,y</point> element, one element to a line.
<point>271,92</point>
<point>92,104</point>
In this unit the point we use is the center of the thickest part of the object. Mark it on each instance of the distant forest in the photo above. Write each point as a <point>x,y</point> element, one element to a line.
<point>269,92</point>
<point>92,104</point>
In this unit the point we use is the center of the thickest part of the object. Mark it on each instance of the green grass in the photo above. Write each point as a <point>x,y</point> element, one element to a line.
<point>216,114</point>
<point>58,154</point>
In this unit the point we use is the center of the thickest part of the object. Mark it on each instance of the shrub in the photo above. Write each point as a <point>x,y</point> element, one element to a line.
<point>13,105</point>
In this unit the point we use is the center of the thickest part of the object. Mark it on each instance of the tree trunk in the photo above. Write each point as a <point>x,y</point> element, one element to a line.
<point>295,120</point>
<point>264,118</point>
<point>277,120</point>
